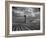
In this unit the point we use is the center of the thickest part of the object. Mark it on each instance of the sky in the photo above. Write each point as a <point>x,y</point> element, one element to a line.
<point>28,11</point>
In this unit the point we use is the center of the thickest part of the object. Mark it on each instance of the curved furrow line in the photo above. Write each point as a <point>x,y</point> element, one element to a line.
<point>19,27</point>
<point>13,27</point>
<point>31,28</point>
<point>26,27</point>
<point>23,26</point>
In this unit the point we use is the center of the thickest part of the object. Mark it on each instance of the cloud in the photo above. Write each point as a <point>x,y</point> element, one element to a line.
<point>28,11</point>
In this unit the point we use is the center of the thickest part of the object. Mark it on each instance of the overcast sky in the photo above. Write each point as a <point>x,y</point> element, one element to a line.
<point>28,11</point>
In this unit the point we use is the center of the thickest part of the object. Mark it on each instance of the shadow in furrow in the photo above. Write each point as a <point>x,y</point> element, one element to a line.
<point>23,26</point>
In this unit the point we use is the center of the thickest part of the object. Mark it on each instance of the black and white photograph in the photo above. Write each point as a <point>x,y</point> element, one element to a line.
<point>25,18</point>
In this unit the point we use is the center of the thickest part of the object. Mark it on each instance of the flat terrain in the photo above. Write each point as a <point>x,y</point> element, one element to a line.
<point>25,18</point>
<point>22,27</point>
<point>31,24</point>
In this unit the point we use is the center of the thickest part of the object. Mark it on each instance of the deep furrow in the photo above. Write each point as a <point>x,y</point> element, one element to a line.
<point>24,27</point>
<point>13,28</point>
<point>19,27</point>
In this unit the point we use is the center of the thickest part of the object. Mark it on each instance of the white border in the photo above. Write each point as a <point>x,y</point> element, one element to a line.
<point>24,32</point>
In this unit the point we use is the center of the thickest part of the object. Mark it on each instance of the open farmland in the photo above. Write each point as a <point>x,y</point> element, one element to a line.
<point>23,19</point>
